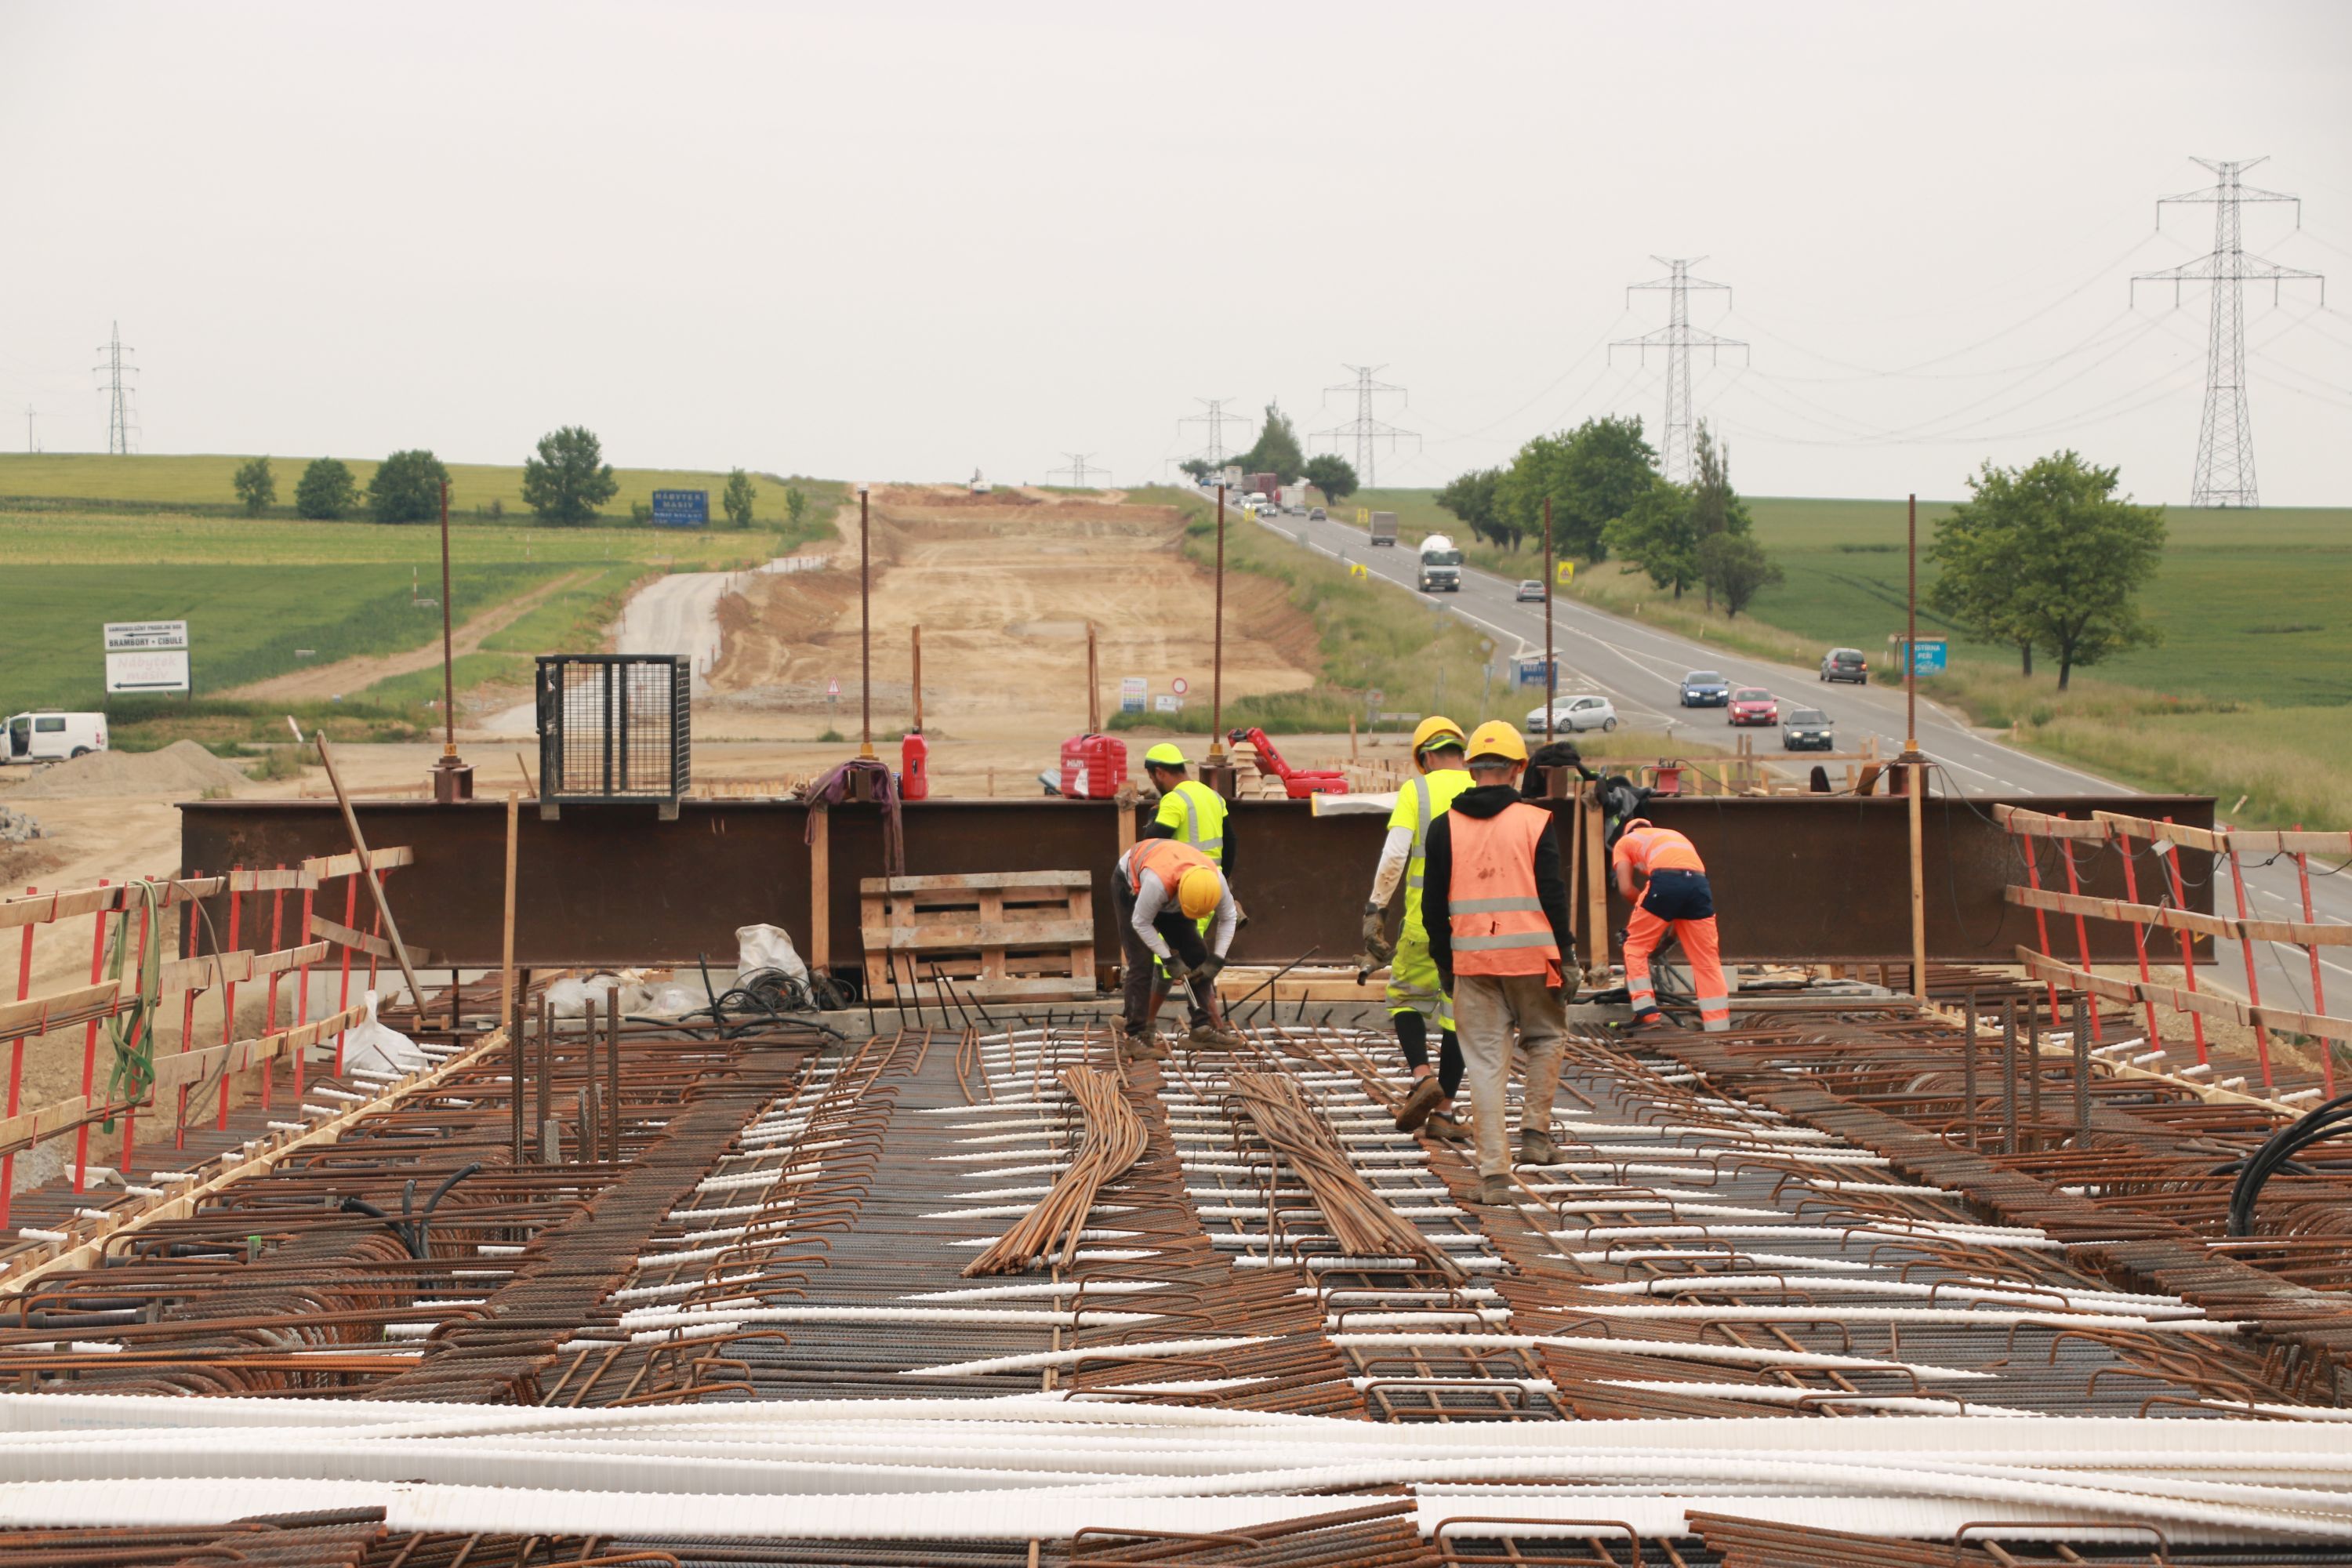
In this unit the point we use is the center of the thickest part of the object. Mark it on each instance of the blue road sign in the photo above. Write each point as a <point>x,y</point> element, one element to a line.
<point>1927,655</point>
<point>681,509</point>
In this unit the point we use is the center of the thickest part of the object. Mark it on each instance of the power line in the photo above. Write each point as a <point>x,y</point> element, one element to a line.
<point>1678,337</point>
<point>1216,418</point>
<point>2225,437</point>
<point>1366,431</point>
<point>1079,470</point>
<point>120,427</point>
<point>32,441</point>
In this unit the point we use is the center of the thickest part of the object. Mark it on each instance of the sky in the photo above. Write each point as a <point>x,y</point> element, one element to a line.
<point>910,241</point>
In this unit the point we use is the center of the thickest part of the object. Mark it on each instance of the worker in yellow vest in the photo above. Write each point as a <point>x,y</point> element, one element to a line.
<point>1495,906</point>
<point>1161,892</point>
<point>1417,1001</point>
<point>1189,813</point>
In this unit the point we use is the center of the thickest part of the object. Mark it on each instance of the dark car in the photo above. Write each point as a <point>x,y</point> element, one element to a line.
<point>1315,514</point>
<point>1845,663</point>
<point>1807,729</point>
<point>1705,688</point>
<point>1754,705</point>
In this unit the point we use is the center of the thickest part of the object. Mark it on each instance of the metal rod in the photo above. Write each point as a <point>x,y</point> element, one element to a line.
<point>1217,645</point>
<point>367,872</point>
<point>612,1074</point>
<point>865,628</point>
<point>1551,670</point>
<point>1968,1070</point>
<point>1911,642</point>
<point>2009,1076</point>
<point>448,659</point>
<point>2081,1072</point>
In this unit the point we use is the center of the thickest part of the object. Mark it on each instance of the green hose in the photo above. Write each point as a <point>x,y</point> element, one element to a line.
<point>133,1029</point>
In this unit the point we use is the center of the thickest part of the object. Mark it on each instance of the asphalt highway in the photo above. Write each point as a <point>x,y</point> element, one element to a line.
<point>1640,669</point>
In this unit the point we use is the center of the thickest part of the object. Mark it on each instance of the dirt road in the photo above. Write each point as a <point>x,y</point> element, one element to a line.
<point>354,674</point>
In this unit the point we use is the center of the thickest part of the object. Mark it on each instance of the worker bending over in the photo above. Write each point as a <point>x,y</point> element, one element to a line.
<point>1495,906</point>
<point>1189,813</point>
<point>1678,900</point>
<point>1417,1000</point>
<point>1162,890</point>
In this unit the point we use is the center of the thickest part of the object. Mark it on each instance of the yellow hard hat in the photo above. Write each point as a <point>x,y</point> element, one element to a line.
<point>1199,891</point>
<point>1497,739</point>
<point>1163,755</point>
<point>1434,731</point>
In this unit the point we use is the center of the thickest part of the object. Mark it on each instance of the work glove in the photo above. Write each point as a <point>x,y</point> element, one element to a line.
<point>1376,942</point>
<point>1208,969</point>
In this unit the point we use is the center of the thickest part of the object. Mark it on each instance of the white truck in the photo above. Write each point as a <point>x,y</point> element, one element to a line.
<point>1441,566</point>
<point>1384,527</point>
<point>52,737</point>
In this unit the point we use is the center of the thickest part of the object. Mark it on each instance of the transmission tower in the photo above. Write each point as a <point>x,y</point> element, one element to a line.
<point>2225,438</point>
<point>1677,337</point>
<point>120,427</point>
<point>1365,431</point>
<point>1079,470</point>
<point>32,441</point>
<point>1216,418</point>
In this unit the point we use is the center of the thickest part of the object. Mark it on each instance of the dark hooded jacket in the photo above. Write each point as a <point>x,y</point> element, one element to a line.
<point>1485,802</point>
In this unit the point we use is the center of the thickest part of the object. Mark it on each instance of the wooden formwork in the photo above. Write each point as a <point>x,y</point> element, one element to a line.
<point>1012,935</point>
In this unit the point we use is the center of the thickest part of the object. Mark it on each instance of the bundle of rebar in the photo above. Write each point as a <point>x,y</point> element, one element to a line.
<point>1113,1142</point>
<point>1278,1108</point>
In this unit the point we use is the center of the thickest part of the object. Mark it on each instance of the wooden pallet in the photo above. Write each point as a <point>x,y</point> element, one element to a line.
<point>1016,935</point>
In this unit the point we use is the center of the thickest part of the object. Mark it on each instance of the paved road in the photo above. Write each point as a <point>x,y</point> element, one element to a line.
<point>1640,669</point>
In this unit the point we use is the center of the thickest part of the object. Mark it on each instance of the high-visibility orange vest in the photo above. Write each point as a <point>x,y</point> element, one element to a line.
<point>1498,923</point>
<point>1166,858</point>
<point>1649,849</point>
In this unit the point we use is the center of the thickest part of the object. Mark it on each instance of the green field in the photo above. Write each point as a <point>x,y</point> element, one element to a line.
<point>2246,695</point>
<point>258,592</point>
<point>91,479</point>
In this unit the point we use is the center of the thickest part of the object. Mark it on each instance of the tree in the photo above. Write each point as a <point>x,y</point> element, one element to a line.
<point>737,499</point>
<point>2049,556</point>
<point>407,487</point>
<point>795,505</point>
<point>1277,450</point>
<point>257,486</point>
<point>1196,467</point>
<point>1735,569</point>
<point>569,478</point>
<point>1333,474</point>
<point>1660,534</point>
<point>1471,498</point>
<point>1592,474</point>
<point>326,490</point>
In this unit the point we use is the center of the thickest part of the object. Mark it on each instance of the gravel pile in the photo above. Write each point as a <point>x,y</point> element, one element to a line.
<point>15,828</point>
<point>182,770</point>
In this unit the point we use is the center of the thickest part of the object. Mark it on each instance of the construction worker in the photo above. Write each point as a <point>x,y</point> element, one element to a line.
<point>1495,906</point>
<point>1416,1000</point>
<point>1162,890</point>
<point>1189,813</point>
<point>1678,900</point>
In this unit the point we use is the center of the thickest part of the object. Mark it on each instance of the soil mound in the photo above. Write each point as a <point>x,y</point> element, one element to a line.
<point>179,769</point>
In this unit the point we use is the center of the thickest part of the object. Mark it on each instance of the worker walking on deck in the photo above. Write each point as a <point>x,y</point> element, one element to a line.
<point>1495,906</point>
<point>1189,813</point>
<point>1417,999</point>
<point>1162,890</point>
<point>1679,900</point>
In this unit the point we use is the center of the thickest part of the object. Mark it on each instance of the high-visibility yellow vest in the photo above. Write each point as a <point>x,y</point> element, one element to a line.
<point>1197,813</point>
<point>1419,804</point>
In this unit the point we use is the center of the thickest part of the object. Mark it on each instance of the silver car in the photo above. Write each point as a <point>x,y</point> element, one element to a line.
<point>1572,714</point>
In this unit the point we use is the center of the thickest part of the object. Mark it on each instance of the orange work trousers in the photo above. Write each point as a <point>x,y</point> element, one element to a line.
<point>1683,903</point>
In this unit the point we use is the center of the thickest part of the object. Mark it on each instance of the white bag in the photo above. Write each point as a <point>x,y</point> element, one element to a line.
<point>675,1001</point>
<point>372,1047</point>
<point>767,947</point>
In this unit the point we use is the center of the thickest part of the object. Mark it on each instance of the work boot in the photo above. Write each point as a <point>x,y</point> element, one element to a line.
<point>1537,1148</point>
<point>1646,1023</point>
<point>1209,1038</point>
<point>1446,1127</point>
<point>1494,1190</point>
<point>1141,1046</point>
<point>1426,1093</point>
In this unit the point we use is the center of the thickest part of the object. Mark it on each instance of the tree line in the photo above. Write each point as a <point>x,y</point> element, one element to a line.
<point>1276,451</point>
<point>1606,494</point>
<point>565,483</point>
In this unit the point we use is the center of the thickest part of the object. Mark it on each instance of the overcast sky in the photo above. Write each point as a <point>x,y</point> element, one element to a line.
<point>905,241</point>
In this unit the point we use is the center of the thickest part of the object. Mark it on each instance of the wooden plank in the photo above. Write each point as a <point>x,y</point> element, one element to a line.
<point>197,1066</point>
<point>2043,968</point>
<point>359,941</point>
<point>2161,832</point>
<point>980,935</point>
<point>2220,926</point>
<point>59,1009</point>
<point>21,1131</point>
<point>39,909</point>
<point>2042,825</point>
<point>260,881</point>
<point>1055,988</point>
<point>208,970</point>
<point>327,868</point>
<point>974,881</point>
<point>820,844</point>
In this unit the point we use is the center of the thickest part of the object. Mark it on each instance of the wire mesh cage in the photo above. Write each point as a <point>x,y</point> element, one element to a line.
<point>613,727</point>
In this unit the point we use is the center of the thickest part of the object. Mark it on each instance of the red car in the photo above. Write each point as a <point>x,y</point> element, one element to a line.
<point>1754,705</point>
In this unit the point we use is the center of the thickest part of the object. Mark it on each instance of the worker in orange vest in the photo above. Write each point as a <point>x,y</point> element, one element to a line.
<point>1677,899</point>
<point>1162,890</point>
<point>1495,906</point>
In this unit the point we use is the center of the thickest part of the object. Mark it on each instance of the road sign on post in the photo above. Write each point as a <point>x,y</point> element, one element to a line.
<point>146,656</point>
<point>1132,690</point>
<point>1179,686</point>
<point>1163,703</point>
<point>1566,573</point>
<point>1929,655</point>
<point>681,509</point>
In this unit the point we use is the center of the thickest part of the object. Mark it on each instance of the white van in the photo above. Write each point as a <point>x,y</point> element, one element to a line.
<point>52,737</point>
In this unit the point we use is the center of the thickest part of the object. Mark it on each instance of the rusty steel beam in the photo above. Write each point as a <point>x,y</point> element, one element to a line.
<point>1796,877</point>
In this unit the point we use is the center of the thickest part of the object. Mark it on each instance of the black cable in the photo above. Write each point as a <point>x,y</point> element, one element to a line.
<point>2278,1154</point>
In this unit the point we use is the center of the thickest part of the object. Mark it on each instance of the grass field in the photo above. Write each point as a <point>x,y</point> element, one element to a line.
<point>256,591</point>
<point>147,480</point>
<point>2247,694</point>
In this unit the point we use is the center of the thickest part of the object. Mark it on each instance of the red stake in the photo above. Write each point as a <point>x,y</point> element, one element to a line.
<point>142,1027</point>
<point>302,988</point>
<point>188,919</point>
<point>2318,989</point>
<point>89,1051</point>
<point>269,1017</point>
<point>17,1067</point>
<point>2041,917</point>
<point>228,1001</point>
<point>2139,935</point>
<point>2253,987</point>
<point>2082,929</point>
<point>2172,856</point>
